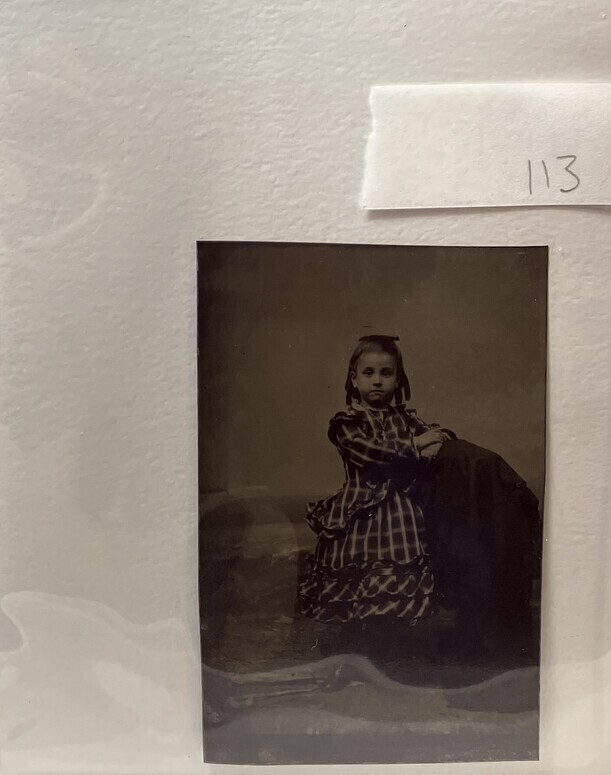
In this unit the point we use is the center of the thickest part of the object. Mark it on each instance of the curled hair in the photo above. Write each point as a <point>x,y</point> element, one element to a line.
<point>379,344</point>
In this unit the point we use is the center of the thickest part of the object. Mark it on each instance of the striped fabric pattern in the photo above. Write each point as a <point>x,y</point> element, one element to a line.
<point>377,589</point>
<point>379,456</point>
<point>370,558</point>
<point>393,530</point>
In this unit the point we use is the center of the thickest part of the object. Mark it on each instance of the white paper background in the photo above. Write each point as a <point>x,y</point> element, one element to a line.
<point>128,131</point>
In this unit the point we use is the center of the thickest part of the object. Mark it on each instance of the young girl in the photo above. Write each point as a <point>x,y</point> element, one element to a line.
<point>419,508</point>
<point>371,557</point>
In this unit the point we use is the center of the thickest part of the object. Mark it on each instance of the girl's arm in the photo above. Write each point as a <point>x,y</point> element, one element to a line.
<point>414,425</point>
<point>363,450</point>
<point>423,427</point>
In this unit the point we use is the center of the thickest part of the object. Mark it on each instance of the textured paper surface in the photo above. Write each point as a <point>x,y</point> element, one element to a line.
<point>488,145</point>
<point>129,131</point>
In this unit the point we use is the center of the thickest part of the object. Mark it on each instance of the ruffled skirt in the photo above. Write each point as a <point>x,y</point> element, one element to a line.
<point>370,589</point>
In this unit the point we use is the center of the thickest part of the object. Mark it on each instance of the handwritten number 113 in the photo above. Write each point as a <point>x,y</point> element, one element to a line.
<point>570,159</point>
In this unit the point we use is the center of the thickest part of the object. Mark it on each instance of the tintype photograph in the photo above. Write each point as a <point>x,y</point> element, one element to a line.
<point>371,480</point>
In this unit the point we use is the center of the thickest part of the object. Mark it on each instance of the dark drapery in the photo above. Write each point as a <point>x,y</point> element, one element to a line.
<point>484,533</point>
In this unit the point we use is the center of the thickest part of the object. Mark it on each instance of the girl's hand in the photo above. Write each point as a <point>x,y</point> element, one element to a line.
<point>430,452</point>
<point>426,439</point>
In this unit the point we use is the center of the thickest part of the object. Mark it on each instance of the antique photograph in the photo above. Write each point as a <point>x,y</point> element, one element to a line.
<point>372,433</point>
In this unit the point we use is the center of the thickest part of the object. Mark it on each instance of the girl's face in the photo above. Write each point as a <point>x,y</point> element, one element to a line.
<point>375,378</point>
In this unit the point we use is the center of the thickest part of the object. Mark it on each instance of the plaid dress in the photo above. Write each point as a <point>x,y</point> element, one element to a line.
<point>371,557</point>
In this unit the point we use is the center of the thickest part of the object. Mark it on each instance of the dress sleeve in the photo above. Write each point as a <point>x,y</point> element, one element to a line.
<point>363,450</point>
<point>423,427</point>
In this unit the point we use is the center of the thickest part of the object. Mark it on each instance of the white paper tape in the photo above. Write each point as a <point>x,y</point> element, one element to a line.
<point>488,145</point>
